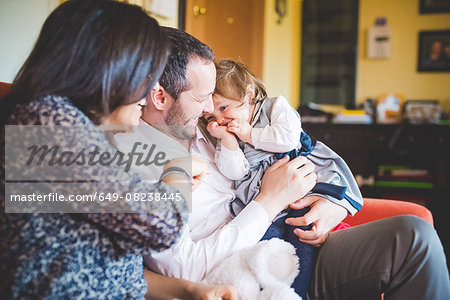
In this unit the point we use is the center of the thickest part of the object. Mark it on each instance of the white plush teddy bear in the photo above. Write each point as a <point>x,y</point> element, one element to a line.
<point>264,271</point>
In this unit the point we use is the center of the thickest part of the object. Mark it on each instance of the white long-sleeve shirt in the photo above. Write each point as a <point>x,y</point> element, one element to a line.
<point>284,131</point>
<point>211,234</point>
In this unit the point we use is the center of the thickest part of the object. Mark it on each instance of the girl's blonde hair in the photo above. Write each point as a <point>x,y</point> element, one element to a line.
<point>233,78</point>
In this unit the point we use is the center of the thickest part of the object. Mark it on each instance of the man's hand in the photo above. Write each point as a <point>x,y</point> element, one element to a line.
<point>285,182</point>
<point>242,129</point>
<point>324,215</point>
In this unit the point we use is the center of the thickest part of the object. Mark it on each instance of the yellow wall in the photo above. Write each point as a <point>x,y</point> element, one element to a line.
<point>399,72</point>
<point>281,65</point>
<point>395,74</point>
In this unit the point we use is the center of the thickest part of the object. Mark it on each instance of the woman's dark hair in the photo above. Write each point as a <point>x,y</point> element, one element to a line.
<point>101,54</point>
<point>185,47</point>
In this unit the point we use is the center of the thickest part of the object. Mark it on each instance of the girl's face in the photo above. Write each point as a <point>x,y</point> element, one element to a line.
<point>126,114</point>
<point>226,110</point>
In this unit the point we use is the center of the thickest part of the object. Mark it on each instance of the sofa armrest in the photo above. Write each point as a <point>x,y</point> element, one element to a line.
<point>4,89</point>
<point>375,209</point>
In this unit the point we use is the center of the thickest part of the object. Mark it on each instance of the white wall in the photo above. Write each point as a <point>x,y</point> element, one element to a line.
<point>20,23</point>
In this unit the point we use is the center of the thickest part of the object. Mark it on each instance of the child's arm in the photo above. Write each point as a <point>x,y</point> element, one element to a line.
<point>229,158</point>
<point>283,132</point>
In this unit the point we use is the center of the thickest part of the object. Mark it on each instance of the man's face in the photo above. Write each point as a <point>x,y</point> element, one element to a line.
<point>185,111</point>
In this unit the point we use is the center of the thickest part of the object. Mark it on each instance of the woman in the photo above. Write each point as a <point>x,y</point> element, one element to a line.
<point>92,64</point>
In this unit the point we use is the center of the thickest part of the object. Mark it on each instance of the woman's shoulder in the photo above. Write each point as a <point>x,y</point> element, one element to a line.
<point>49,110</point>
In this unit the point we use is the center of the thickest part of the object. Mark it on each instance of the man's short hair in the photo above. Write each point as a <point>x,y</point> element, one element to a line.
<point>184,48</point>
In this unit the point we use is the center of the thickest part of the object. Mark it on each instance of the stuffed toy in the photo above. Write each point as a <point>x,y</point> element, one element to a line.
<point>264,271</point>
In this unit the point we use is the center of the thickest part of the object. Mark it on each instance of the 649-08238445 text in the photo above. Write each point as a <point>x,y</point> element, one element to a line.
<point>96,196</point>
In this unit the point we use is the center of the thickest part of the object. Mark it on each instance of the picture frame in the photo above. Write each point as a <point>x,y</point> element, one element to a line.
<point>434,51</point>
<point>434,6</point>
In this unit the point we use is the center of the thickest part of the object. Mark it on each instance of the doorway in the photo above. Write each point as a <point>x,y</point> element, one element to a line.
<point>232,28</point>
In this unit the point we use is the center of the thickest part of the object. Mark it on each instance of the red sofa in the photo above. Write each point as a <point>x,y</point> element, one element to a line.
<point>4,89</point>
<point>375,209</point>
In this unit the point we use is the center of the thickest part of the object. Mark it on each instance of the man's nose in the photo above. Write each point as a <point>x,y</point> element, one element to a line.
<point>209,105</point>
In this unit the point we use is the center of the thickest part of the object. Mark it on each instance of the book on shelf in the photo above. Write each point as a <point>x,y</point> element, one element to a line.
<point>387,177</point>
<point>314,119</point>
<point>357,116</point>
<point>401,170</point>
<point>411,172</point>
<point>404,184</point>
<point>402,176</point>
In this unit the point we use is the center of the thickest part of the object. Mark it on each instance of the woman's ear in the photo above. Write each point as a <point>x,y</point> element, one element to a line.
<point>158,97</point>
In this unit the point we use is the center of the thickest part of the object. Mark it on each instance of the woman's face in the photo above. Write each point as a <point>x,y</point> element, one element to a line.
<point>127,115</point>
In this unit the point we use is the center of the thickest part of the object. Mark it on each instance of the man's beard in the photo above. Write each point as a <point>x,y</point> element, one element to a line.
<point>177,123</point>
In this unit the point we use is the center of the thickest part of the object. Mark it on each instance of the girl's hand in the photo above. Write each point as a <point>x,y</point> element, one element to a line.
<point>216,130</point>
<point>242,129</point>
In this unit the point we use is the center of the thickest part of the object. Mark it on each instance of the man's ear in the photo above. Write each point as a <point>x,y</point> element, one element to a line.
<point>158,97</point>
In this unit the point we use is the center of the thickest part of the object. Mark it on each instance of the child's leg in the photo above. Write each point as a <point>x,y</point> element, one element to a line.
<point>275,230</point>
<point>305,252</point>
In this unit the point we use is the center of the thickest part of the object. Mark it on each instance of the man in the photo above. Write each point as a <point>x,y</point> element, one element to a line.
<point>406,260</point>
<point>174,107</point>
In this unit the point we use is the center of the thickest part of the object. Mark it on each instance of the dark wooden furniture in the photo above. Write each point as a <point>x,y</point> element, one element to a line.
<point>367,148</point>
<point>421,147</point>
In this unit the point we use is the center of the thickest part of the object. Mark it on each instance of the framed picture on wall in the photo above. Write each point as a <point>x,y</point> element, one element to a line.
<point>434,6</point>
<point>434,51</point>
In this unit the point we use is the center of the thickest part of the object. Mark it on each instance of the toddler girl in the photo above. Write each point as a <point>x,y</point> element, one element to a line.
<point>268,129</point>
